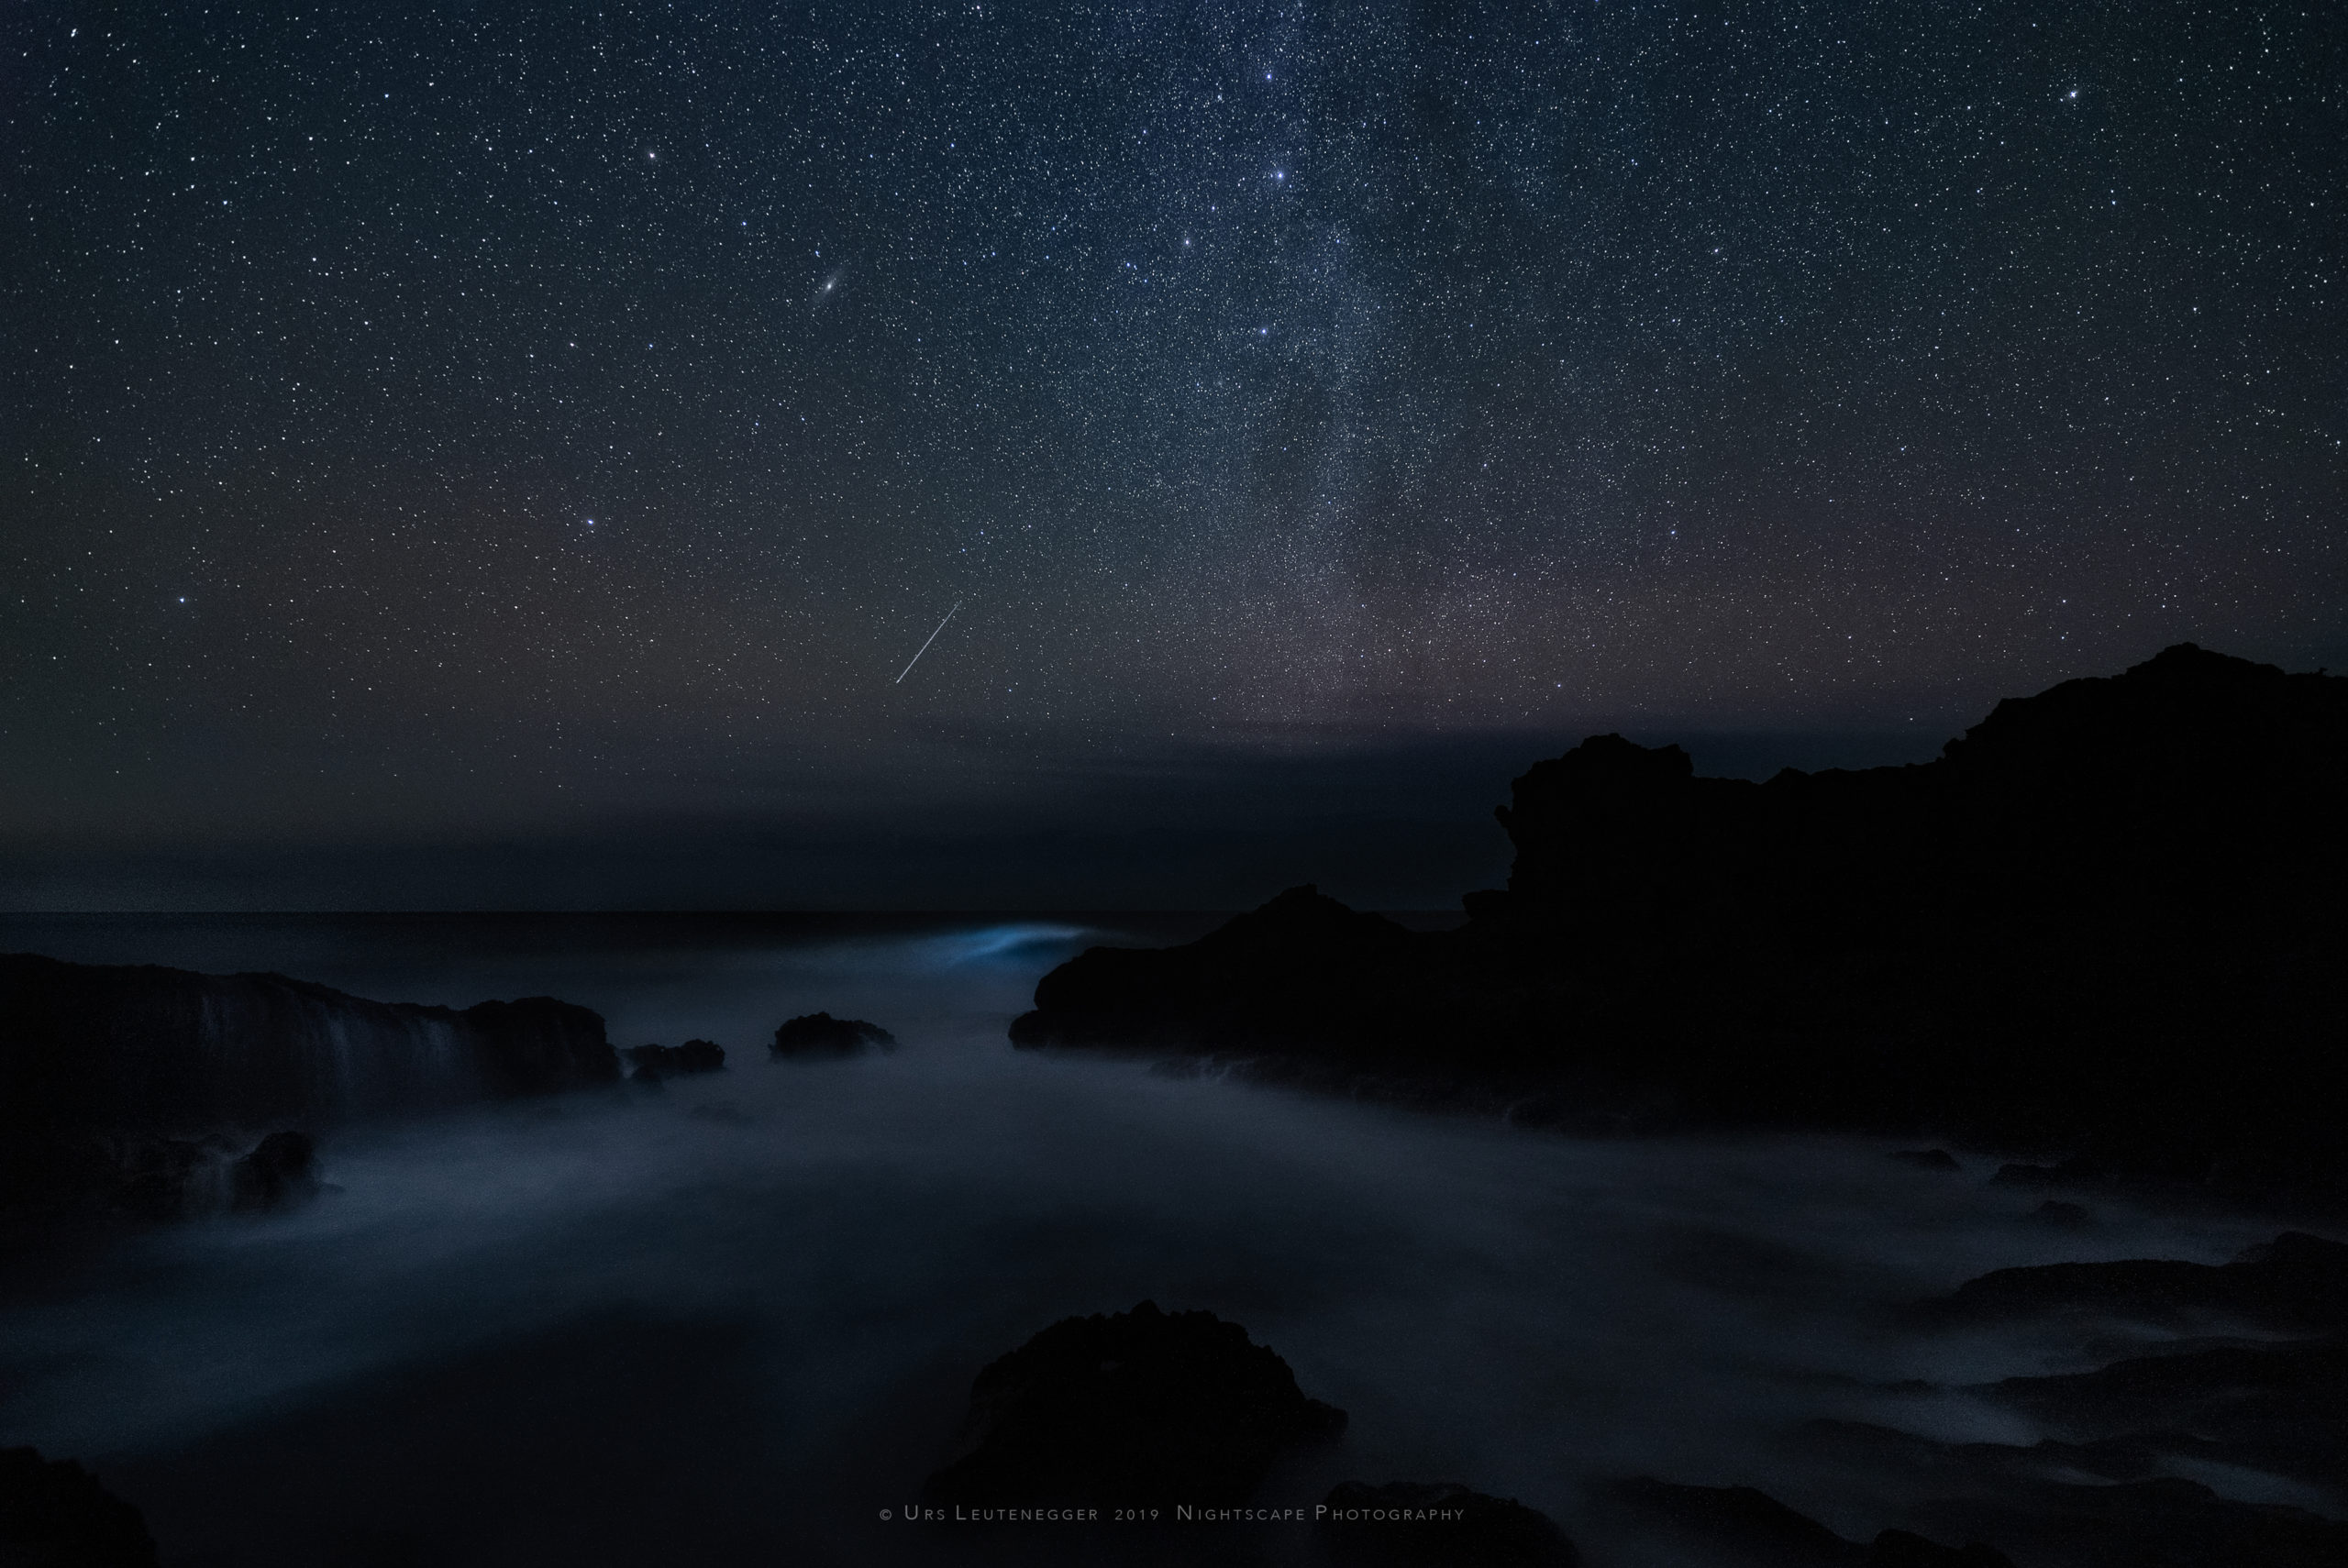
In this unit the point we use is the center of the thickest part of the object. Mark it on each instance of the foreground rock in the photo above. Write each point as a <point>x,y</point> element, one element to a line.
<point>1142,1408</point>
<point>654,1063</point>
<point>53,1514</point>
<point>2104,923</point>
<point>819,1033</point>
<point>1407,1524</point>
<point>281,1171</point>
<point>1751,1526</point>
<point>143,1089</point>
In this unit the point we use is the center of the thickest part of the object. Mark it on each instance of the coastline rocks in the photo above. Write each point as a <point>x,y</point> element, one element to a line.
<point>2296,1281</point>
<point>1142,1408</point>
<point>181,1053</point>
<point>2106,1479</point>
<point>819,1033</point>
<point>1384,1527</point>
<point>1302,970</point>
<point>2105,920</point>
<point>2278,1408</point>
<point>1754,1528</point>
<point>654,1063</point>
<point>53,1514</point>
<point>133,1089</point>
<point>282,1172</point>
<point>160,1179</point>
<point>2060,1505</point>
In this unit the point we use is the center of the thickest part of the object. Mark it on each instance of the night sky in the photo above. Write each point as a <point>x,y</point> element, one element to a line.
<point>506,453</point>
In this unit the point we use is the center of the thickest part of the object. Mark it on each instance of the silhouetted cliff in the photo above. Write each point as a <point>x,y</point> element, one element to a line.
<point>2105,921</point>
<point>138,1086</point>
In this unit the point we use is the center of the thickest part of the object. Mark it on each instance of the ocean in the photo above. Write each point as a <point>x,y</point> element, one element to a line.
<point>734,1318</point>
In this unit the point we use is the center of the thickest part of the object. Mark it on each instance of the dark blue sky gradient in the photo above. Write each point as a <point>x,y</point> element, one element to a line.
<point>436,426</point>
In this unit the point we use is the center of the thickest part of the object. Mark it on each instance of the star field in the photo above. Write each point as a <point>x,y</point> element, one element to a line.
<point>444,415</point>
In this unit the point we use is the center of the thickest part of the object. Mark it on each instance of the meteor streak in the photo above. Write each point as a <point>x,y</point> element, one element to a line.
<point>924,648</point>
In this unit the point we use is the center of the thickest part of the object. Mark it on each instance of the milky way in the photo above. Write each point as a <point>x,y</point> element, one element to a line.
<point>1256,372</point>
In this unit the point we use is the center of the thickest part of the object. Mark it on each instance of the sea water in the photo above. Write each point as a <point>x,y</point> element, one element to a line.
<point>734,1320</point>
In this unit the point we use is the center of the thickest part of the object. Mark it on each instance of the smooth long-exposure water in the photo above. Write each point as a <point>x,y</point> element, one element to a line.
<point>733,1320</point>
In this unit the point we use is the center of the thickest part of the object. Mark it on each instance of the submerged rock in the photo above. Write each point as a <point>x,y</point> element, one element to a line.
<point>1409,1524</point>
<point>53,1514</point>
<point>817,1033</point>
<point>1141,1408</point>
<point>654,1063</point>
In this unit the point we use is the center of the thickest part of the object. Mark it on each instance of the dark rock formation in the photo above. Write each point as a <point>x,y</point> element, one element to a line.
<point>2296,1281</point>
<point>138,1087</point>
<point>1407,1524</point>
<point>1927,1159</point>
<point>172,1051</point>
<point>654,1063</point>
<point>819,1033</point>
<point>2104,922</point>
<point>2282,1408</point>
<point>281,1171</point>
<point>2069,1173</point>
<point>1754,1528</point>
<point>1303,969</point>
<point>1142,1408</point>
<point>53,1514</point>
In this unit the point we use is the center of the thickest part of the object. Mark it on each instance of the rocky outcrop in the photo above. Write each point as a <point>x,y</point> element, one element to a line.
<point>281,1171</point>
<point>143,1088</point>
<point>654,1063</point>
<point>175,1052</point>
<point>2103,922</point>
<point>53,1514</point>
<point>1409,1524</point>
<point>1143,1408</point>
<point>821,1034</point>
<point>2296,1281</point>
<point>1302,970</point>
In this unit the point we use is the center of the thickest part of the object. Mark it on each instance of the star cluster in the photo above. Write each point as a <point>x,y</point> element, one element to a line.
<point>537,403</point>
